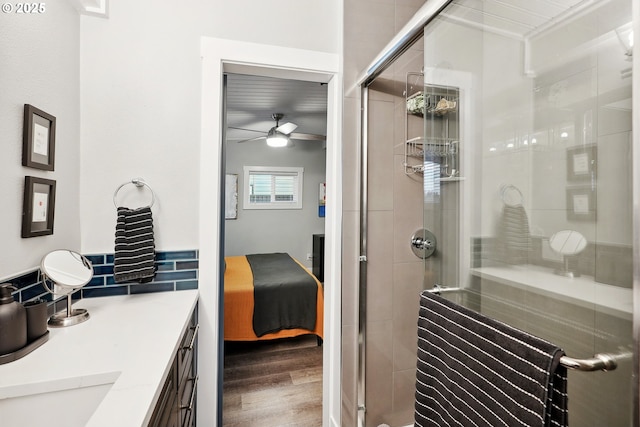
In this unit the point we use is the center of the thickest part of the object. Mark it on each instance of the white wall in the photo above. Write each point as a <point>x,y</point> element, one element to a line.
<point>139,103</point>
<point>39,65</point>
<point>291,230</point>
<point>140,100</point>
<point>134,81</point>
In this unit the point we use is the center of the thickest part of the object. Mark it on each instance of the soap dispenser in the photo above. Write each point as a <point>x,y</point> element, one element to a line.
<point>13,321</point>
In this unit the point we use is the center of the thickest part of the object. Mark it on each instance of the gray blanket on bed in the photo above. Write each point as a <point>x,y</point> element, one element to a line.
<point>284,294</point>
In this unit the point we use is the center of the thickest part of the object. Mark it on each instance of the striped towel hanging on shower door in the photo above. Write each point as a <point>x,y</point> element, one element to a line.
<point>514,237</point>
<point>477,371</point>
<point>134,258</point>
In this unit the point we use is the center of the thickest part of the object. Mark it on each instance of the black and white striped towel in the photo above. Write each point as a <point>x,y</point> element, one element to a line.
<point>476,371</point>
<point>514,236</point>
<point>134,258</point>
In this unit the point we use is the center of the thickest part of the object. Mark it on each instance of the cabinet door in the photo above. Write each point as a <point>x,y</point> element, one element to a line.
<point>188,374</point>
<point>187,400</point>
<point>164,414</point>
<point>187,350</point>
<point>176,405</point>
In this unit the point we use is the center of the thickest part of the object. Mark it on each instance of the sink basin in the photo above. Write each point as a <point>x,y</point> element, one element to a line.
<point>64,403</point>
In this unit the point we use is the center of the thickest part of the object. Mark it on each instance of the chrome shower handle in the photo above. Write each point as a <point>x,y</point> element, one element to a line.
<point>423,243</point>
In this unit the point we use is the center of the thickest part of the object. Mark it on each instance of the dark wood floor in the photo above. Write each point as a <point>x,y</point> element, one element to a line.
<point>273,383</point>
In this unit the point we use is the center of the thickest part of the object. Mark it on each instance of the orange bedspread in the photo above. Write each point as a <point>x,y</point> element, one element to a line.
<point>238,305</point>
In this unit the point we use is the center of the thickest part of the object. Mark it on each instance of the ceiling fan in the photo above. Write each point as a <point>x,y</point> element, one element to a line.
<point>280,135</point>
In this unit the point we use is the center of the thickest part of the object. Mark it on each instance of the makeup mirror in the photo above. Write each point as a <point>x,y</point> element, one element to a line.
<point>567,243</point>
<point>67,271</point>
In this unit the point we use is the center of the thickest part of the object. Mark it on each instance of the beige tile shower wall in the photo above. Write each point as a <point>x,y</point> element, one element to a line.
<point>395,274</point>
<point>580,87</point>
<point>506,125</point>
<point>582,93</point>
<point>564,104</point>
<point>614,134</point>
<point>369,26</point>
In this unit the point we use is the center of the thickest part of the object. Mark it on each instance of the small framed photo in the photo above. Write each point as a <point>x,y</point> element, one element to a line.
<point>581,163</point>
<point>38,206</point>
<point>581,204</point>
<point>38,139</point>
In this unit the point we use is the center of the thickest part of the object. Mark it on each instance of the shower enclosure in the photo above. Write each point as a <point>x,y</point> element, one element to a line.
<point>498,167</point>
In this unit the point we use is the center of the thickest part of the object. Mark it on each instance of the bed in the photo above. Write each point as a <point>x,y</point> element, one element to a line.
<point>281,300</point>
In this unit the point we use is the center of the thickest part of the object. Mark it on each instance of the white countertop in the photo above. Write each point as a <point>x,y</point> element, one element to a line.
<point>130,339</point>
<point>579,290</point>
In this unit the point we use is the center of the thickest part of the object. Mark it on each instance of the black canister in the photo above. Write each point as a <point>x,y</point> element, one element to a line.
<point>36,319</point>
<point>13,321</point>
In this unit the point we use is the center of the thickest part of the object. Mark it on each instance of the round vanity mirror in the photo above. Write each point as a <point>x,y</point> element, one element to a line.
<point>567,243</point>
<point>67,271</point>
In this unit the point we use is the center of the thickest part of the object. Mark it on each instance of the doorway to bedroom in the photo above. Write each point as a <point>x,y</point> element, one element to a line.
<point>274,207</point>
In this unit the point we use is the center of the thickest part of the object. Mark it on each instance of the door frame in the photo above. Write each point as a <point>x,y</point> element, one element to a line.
<point>218,57</point>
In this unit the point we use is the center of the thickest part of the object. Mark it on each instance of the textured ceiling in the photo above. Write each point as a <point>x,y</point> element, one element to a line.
<point>517,18</point>
<point>251,100</point>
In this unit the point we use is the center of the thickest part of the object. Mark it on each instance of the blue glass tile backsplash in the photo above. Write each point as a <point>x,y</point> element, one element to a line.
<point>175,271</point>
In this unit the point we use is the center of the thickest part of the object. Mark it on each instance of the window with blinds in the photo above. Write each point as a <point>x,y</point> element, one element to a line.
<point>268,187</point>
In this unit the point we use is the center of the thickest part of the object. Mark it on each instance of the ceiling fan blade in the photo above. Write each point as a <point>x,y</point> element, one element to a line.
<point>248,130</point>
<point>287,128</point>
<point>307,137</point>
<point>257,138</point>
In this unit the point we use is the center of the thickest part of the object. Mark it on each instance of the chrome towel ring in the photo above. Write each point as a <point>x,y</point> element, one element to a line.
<point>511,195</point>
<point>138,182</point>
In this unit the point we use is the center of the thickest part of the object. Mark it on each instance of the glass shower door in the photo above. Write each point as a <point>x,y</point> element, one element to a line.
<point>527,178</point>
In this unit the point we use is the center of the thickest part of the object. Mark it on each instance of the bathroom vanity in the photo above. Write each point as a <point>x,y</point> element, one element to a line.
<point>581,291</point>
<point>132,363</point>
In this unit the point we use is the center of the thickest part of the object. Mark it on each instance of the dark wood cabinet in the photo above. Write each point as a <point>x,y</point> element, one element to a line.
<point>188,375</point>
<point>318,256</point>
<point>165,412</point>
<point>176,404</point>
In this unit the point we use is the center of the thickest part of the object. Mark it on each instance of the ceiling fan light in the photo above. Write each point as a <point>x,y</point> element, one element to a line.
<point>276,139</point>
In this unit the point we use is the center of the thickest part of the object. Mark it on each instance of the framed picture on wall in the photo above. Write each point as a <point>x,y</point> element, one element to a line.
<point>581,163</point>
<point>38,206</point>
<point>581,203</point>
<point>38,139</point>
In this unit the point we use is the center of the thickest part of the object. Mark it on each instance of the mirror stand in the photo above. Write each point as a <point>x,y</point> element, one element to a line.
<point>70,317</point>
<point>565,272</point>
<point>567,243</point>
<point>67,271</point>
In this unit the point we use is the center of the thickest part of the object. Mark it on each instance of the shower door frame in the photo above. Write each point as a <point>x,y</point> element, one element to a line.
<point>408,35</point>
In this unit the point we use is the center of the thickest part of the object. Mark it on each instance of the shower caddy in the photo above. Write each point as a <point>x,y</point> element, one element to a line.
<point>431,128</point>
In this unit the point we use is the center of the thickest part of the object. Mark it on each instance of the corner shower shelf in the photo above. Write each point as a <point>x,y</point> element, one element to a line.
<point>436,104</point>
<point>440,122</point>
<point>435,147</point>
<point>415,104</point>
<point>452,179</point>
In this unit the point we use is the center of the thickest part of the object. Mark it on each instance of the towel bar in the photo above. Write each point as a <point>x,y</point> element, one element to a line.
<point>439,289</point>
<point>599,362</point>
<point>138,182</point>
